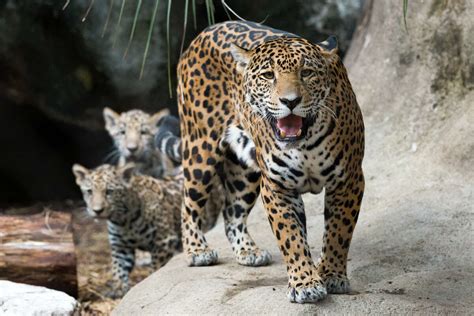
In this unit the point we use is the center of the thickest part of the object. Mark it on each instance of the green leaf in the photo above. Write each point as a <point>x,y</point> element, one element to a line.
<point>194,14</point>
<point>108,17</point>
<point>185,24</point>
<point>210,8</point>
<point>168,14</point>
<point>117,27</point>
<point>88,10</point>
<point>208,13</point>
<point>227,8</point>
<point>132,32</point>
<point>226,11</point>
<point>212,11</point>
<point>150,32</point>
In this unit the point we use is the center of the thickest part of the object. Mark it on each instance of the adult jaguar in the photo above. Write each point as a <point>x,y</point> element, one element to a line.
<point>272,112</point>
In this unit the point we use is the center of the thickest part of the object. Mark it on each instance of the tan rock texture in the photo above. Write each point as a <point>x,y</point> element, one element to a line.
<point>412,251</point>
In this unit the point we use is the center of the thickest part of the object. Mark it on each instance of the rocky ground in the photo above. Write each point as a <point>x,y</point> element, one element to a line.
<point>411,253</point>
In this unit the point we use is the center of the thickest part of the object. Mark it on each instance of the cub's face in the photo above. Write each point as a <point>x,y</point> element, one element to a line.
<point>103,188</point>
<point>133,131</point>
<point>286,82</point>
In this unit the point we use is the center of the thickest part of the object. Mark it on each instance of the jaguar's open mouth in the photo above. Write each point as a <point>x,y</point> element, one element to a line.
<point>290,128</point>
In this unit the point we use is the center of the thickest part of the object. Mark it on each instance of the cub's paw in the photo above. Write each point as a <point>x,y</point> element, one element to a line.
<point>115,294</point>
<point>307,294</point>
<point>201,257</point>
<point>253,258</point>
<point>116,290</point>
<point>337,285</point>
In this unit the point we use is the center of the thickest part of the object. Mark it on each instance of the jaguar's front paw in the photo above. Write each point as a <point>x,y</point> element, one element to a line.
<point>202,257</point>
<point>311,293</point>
<point>253,257</point>
<point>337,285</point>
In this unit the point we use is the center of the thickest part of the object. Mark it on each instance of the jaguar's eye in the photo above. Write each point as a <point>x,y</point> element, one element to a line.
<point>122,132</point>
<point>144,131</point>
<point>89,191</point>
<point>306,73</point>
<point>268,75</point>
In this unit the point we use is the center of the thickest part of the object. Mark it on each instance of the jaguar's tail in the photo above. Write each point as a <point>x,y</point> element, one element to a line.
<point>168,140</point>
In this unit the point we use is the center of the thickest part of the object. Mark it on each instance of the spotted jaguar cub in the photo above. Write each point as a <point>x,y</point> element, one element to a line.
<point>133,133</point>
<point>142,213</point>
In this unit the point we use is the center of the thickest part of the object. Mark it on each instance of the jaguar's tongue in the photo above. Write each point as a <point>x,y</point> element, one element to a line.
<point>290,126</point>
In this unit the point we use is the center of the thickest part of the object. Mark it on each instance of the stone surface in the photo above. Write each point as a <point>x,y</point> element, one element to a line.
<point>412,251</point>
<point>25,300</point>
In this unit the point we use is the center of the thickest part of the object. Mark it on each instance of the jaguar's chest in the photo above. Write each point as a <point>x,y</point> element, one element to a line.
<point>300,169</point>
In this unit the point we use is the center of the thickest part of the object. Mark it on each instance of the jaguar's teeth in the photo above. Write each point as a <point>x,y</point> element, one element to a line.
<point>299,133</point>
<point>282,134</point>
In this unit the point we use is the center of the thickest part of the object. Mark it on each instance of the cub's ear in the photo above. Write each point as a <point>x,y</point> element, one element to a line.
<point>110,117</point>
<point>155,118</point>
<point>241,57</point>
<point>126,173</point>
<point>80,172</point>
<point>329,47</point>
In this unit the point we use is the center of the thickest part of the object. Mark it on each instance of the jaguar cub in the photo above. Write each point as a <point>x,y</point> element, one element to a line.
<point>133,134</point>
<point>142,213</point>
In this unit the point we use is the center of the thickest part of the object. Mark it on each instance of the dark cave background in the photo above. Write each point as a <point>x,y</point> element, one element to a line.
<point>57,73</point>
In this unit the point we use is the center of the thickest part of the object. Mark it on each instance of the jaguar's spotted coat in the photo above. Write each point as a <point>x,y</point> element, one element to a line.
<point>142,213</point>
<point>133,133</point>
<point>271,112</point>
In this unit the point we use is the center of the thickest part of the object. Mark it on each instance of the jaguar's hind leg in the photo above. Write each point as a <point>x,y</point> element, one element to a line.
<point>199,168</point>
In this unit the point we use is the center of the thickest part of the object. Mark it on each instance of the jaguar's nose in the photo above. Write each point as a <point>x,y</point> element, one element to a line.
<point>132,149</point>
<point>291,103</point>
<point>98,210</point>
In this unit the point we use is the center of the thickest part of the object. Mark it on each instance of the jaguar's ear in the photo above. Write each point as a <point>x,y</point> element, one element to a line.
<point>126,173</point>
<point>80,172</point>
<point>155,118</point>
<point>110,117</point>
<point>241,57</point>
<point>329,47</point>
